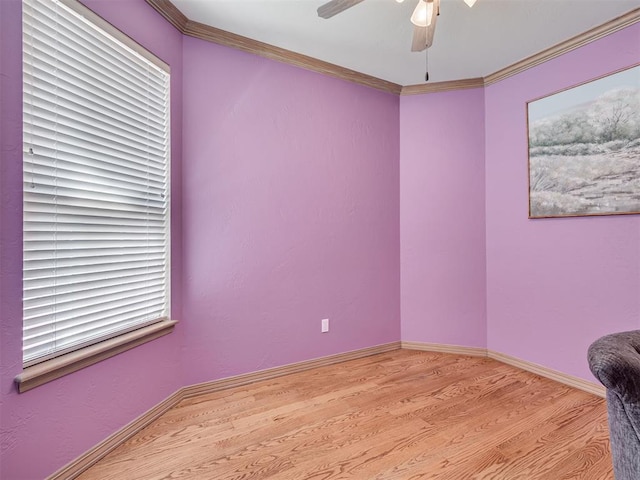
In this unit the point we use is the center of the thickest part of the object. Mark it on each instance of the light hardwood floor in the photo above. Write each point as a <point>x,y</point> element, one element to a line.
<point>402,415</point>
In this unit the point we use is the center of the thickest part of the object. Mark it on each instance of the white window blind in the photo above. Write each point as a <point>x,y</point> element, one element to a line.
<point>96,181</point>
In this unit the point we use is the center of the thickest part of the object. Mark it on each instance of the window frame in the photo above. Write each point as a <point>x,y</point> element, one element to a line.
<point>42,370</point>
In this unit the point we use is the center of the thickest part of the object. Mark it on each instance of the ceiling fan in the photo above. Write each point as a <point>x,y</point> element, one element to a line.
<point>423,18</point>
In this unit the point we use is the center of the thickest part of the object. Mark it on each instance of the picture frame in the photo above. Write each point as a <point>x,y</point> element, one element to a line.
<point>584,148</point>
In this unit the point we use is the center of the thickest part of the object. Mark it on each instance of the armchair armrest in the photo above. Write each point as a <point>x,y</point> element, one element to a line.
<point>615,361</point>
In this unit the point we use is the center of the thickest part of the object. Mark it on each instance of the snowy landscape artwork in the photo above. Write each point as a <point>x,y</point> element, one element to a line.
<point>584,149</point>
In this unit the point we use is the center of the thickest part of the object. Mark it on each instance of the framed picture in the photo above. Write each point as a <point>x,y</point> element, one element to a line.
<point>584,149</point>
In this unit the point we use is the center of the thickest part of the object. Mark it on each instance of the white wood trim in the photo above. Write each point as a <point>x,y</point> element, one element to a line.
<point>247,378</point>
<point>57,367</point>
<point>215,35</point>
<point>239,42</point>
<point>561,48</point>
<point>97,20</point>
<point>85,461</point>
<point>434,87</point>
<point>560,377</point>
<point>443,348</point>
<point>91,457</point>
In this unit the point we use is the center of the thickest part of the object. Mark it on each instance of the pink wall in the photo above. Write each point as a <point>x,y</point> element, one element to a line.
<point>554,285</point>
<point>47,427</point>
<point>442,218</point>
<point>304,197</point>
<point>290,214</point>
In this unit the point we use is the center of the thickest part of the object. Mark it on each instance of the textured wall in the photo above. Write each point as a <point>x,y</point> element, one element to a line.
<point>290,214</point>
<point>442,218</point>
<point>297,191</point>
<point>45,428</point>
<point>554,285</point>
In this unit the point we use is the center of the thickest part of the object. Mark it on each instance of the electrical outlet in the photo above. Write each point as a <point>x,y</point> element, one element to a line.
<point>325,325</point>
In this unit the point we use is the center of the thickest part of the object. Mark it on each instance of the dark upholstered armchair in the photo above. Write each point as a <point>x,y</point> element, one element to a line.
<point>615,361</point>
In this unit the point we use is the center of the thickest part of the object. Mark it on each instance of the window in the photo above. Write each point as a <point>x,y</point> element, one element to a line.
<point>96,182</point>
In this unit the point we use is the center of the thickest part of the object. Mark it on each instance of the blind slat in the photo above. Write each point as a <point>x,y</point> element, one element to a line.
<point>117,53</point>
<point>85,104</point>
<point>84,126</point>
<point>96,183</point>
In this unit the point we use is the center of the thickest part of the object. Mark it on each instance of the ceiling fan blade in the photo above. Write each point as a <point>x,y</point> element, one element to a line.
<point>419,42</point>
<point>423,36</point>
<point>431,30</point>
<point>334,7</point>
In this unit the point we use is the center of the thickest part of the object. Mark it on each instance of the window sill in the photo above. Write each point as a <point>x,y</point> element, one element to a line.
<point>49,370</point>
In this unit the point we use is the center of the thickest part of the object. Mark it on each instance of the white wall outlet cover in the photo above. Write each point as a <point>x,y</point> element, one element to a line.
<point>325,325</point>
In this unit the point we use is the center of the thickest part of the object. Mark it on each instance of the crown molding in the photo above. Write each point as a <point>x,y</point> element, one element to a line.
<point>561,48</point>
<point>222,37</point>
<point>211,34</point>
<point>170,12</point>
<point>442,86</point>
<point>215,35</point>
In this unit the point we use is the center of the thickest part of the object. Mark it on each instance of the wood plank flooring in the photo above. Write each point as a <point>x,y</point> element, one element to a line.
<point>402,415</point>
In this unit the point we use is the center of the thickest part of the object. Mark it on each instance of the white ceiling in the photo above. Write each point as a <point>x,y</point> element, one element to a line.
<point>374,37</point>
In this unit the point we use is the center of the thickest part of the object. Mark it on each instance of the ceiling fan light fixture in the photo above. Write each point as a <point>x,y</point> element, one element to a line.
<point>399,1</point>
<point>470,2</point>
<point>423,14</point>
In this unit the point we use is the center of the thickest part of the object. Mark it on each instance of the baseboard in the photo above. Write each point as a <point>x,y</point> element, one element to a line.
<point>83,462</point>
<point>240,380</point>
<point>546,372</point>
<point>444,348</point>
<point>563,378</point>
